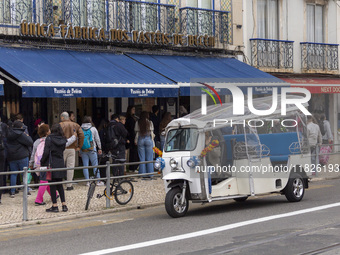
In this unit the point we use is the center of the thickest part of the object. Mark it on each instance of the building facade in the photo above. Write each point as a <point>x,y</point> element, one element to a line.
<point>163,27</point>
<point>297,41</point>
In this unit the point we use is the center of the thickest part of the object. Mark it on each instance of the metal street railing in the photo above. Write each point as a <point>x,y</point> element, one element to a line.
<point>108,178</point>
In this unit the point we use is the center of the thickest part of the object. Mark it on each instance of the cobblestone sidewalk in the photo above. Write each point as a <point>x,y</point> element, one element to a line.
<point>145,192</point>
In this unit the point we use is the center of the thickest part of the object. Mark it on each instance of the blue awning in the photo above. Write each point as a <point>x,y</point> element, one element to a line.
<point>1,87</point>
<point>64,73</point>
<point>185,70</point>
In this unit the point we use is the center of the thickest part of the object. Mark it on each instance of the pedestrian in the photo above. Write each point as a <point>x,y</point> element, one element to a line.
<point>144,141</point>
<point>117,149</point>
<point>88,151</point>
<point>53,157</point>
<point>155,118</point>
<point>165,121</point>
<point>69,128</point>
<point>3,137</point>
<point>314,138</point>
<point>131,119</point>
<point>102,129</point>
<point>19,145</point>
<point>182,111</point>
<point>20,118</point>
<point>34,163</point>
<point>327,138</point>
<point>37,124</point>
<point>72,116</point>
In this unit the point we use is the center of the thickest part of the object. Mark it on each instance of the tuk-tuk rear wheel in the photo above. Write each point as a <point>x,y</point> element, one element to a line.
<point>173,204</point>
<point>295,189</point>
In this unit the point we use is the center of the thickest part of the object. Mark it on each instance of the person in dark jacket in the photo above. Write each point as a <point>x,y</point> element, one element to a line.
<point>53,157</point>
<point>122,133</point>
<point>131,119</point>
<point>3,153</point>
<point>19,145</point>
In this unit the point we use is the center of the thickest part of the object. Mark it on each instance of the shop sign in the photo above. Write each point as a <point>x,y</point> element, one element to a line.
<point>114,35</point>
<point>69,92</point>
<point>142,92</point>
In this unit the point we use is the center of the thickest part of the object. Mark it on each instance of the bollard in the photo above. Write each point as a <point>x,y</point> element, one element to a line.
<point>108,184</point>
<point>25,195</point>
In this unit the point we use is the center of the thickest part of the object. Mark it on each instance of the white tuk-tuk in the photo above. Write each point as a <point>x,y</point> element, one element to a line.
<point>217,156</point>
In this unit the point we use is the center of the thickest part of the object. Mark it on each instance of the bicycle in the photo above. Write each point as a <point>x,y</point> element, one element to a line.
<point>121,190</point>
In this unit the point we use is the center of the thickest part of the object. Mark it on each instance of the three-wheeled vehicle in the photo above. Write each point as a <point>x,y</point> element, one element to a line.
<point>217,156</point>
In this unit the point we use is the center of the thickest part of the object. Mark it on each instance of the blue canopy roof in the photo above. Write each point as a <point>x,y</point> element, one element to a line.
<point>65,73</point>
<point>185,69</point>
<point>60,73</point>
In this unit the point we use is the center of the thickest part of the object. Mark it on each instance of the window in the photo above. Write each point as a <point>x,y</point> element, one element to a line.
<point>314,23</point>
<point>267,19</point>
<point>181,139</point>
<point>200,21</point>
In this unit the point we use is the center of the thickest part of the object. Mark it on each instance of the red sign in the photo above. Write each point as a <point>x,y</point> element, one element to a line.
<point>316,86</point>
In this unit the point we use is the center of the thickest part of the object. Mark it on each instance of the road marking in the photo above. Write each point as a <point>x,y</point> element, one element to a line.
<point>208,231</point>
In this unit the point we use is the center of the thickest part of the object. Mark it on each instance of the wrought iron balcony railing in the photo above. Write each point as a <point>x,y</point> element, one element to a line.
<point>319,57</point>
<point>110,14</point>
<point>275,54</point>
<point>196,21</point>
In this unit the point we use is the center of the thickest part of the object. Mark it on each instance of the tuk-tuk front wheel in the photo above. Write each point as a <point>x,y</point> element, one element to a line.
<point>295,188</point>
<point>173,203</point>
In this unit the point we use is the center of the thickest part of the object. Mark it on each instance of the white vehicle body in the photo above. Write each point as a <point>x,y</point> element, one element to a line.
<point>250,163</point>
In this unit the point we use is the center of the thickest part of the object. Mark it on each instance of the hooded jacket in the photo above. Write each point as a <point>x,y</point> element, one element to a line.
<point>95,135</point>
<point>54,154</point>
<point>18,144</point>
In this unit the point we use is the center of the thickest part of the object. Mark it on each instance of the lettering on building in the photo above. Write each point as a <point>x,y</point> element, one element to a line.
<point>114,35</point>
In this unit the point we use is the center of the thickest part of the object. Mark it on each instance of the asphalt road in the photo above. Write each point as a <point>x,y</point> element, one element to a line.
<point>219,228</point>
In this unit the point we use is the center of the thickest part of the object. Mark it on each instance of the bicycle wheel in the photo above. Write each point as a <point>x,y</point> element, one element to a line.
<point>123,192</point>
<point>90,194</point>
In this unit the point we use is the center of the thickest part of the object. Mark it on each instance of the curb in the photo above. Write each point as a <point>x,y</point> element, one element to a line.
<point>78,216</point>
<point>315,179</point>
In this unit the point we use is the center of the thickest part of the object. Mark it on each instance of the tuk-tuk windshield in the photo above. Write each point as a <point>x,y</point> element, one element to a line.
<point>182,139</point>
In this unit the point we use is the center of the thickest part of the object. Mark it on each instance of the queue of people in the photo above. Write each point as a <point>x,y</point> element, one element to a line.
<point>59,146</point>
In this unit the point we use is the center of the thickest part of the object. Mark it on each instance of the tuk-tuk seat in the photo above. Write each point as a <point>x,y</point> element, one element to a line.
<point>278,144</point>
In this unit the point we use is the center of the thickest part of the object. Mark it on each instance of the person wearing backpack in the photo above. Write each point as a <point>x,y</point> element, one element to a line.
<point>115,141</point>
<point>37,153</point>
<point>3,136</point>
<point>88,151</point>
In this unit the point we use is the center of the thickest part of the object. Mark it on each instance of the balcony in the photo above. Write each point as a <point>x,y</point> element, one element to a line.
<point>272,55</point>
<point>109,14</point>
<point>319,57</point>
<point>196,21</point>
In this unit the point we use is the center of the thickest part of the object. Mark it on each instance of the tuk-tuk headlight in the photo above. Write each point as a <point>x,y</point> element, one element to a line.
<point>193,162</point>
<point>159,164</point>
<point>173,163</point>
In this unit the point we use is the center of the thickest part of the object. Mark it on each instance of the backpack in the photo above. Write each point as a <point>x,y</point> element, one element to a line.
<point>88,140</point>
<point>111,138</point>
<point>39,152</point>
<point>322,127</point>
